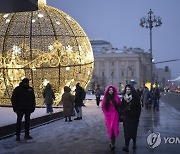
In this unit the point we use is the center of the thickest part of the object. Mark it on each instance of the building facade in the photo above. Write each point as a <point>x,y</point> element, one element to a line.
<point>118,66</point>
<point>163,76</point>
<point>121,66</point>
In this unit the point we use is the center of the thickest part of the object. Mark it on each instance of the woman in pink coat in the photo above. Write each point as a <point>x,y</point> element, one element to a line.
<point>109,106</point>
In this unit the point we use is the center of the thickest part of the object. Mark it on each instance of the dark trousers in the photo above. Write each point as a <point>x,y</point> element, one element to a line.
<point>49,108</point>
<point>19,121</point>
<point>155,104</point>
<point>113,139</point>
<point>69,117</point>
<point>98,100</point>
<point>130,130</point>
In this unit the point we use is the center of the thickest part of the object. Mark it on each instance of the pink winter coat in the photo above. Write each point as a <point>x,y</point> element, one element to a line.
<point>111,116</point>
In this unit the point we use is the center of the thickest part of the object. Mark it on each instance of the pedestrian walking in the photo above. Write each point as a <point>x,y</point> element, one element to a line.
<point>139,95</point>
<point>67,101</point>
<point>49,97</point>
<point>146,98</point>
<point>155,99</point>
<point>98,95</point>
<point>109,106</point>
<point>79,97</point>
<point>131,109</point>
<point>23,103</point>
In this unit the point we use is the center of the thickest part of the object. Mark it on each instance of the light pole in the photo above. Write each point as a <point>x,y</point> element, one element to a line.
<point>127,74</point>
<point>149,22</point>
<point>112,75</point>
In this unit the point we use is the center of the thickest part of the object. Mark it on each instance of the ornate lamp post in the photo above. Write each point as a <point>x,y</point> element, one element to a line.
<point>149,22</point>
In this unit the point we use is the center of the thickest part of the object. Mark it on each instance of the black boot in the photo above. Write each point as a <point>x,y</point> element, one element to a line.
<point>28,137</point>
<point>126,148</point>
<point>112,146</point>
<point>78,118</point>
<point>18,138</point>
<point>70,119</point>
<point>134,145</point>
<point>113,140</point>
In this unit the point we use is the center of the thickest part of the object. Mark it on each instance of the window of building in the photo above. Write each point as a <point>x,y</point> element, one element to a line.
<point>132,73</point>
<point>122,73</point>
<point>122,64</point>
<point>112,74</point>
<point>132,64</point>
<point>102,74</point>
<point>102,64</point>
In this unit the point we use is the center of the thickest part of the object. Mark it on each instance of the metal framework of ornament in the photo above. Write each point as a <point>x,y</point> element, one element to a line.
<point>45,46</point>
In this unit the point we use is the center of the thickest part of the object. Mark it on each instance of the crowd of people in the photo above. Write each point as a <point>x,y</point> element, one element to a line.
<point>150,98</point>
<point>23,103</point>
<point>125,108</point>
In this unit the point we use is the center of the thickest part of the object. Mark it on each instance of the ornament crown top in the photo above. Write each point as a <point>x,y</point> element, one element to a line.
<point>41,2</point>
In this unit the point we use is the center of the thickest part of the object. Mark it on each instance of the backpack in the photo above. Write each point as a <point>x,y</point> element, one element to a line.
<point>83,94</point>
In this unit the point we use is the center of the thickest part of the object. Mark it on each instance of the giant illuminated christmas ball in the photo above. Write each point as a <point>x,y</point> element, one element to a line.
<point>45,46</point>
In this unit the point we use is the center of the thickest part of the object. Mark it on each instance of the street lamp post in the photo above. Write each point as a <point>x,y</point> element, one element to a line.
<point>112,75</point>
<point>149,22</point>
<point>127,74</point>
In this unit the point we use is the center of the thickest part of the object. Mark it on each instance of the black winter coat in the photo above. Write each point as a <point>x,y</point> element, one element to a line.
<point>131,118</point>
<point>135,108</point>
<point>23,98</point>
<point>78,97</point>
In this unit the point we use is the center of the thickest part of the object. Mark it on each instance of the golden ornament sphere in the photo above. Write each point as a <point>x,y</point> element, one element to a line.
<point>46,45</point>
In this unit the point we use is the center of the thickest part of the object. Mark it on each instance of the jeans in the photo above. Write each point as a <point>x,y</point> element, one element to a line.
<point>79,114</point>
<point>49,108</point>
<point>155,104</point>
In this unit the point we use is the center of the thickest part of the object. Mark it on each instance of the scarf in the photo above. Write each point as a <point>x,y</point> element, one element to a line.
<point>127,97</point>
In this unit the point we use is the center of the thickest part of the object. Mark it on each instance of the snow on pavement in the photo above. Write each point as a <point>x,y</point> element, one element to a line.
<point>88,135</point>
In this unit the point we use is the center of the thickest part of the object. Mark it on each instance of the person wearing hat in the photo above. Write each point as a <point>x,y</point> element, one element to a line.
<point>68,103</point>
<point>23,103</point>
<point>110,103</point>
<point>49,97</point>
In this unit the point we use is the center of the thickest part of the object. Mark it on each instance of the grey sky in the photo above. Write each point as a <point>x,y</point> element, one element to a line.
<point>117,21</point>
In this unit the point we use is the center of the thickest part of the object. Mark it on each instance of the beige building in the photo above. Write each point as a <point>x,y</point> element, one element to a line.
<point>163,75</point>
<point>119,66</point>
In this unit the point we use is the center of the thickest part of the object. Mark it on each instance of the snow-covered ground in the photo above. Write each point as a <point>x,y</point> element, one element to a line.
<point>89,135</point>
<point>9,117</point>
<point>62,137</point>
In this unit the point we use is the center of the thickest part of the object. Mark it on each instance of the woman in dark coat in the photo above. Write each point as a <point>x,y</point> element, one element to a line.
<point>131,109</point>
<point>68,103</point>
<point>49,97</point>
<point>78,101</point>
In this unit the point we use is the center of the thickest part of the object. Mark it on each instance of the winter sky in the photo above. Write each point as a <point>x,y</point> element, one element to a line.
<point>117,21</point>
